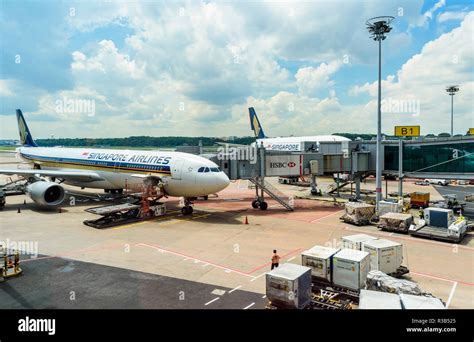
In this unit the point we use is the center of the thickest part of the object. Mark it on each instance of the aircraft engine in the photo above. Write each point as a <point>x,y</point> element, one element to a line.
<point>46,193</point>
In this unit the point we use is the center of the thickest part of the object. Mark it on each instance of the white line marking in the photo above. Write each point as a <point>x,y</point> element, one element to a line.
<point>236,288</point>
<point>249,306</point>
<point>291,258</point>
<point>264,296</point>
<point>255,278</point>
<point>451,294</point>
<point>188,258</point>
<point>212,301</point>
<point>205,265</point>
<point>390,234</point>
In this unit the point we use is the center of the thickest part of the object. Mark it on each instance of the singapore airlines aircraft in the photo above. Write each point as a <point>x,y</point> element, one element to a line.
<point>179,174</point>
<point>293,144</point>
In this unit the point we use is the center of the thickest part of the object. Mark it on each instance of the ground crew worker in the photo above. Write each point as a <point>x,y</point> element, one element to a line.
<point>275,259</point>
<point>421,213</point>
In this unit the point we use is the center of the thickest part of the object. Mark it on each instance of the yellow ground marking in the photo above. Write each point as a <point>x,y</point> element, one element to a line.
<point>184,220</point>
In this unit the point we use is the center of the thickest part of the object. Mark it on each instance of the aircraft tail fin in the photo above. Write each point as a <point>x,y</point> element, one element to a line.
<point>26,138</point>
<point>255,124</point>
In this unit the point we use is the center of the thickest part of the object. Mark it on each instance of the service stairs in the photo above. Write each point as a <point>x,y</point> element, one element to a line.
<point>273,192</point>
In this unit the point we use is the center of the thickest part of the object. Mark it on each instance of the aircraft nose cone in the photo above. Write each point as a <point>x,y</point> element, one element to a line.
<point>222,181</point>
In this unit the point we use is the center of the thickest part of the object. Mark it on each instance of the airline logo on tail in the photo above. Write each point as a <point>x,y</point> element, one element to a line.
<point>255,124</point>
<point>25,135</point>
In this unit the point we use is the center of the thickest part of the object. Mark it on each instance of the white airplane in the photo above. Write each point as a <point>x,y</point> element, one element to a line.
<point>178,174</point>
<point>292,144</point>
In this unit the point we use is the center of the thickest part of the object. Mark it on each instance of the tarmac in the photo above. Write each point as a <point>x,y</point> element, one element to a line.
<point>209,260</point>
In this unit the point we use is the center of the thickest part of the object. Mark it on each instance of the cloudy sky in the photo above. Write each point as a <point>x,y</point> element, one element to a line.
<point>122,68</point>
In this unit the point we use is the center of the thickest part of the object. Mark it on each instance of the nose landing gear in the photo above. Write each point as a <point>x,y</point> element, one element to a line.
<point>187,209</point>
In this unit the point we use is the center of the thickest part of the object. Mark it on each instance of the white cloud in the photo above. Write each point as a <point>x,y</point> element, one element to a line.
<point>6,88</point>
<point>447,16</point>
<point>436,6</point>
<point>310,80</point>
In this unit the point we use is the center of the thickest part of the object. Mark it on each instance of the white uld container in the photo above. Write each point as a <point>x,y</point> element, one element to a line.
<point>319,259</point>
<point>289,286</point>
<point>350,268</point>
<point>355,241</point>
<point>385,255</point>
<point>378,300</point>
<point>412,302</point>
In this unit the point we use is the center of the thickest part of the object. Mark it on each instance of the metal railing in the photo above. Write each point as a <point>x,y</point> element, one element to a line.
<point>273,192</point>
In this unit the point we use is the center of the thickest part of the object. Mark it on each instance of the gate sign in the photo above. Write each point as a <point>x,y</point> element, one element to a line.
<point>283,165</point>
<point>471,131</point>
<point>407,131</point>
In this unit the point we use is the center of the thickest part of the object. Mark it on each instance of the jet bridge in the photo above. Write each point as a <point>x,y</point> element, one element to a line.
<point>255,163</point>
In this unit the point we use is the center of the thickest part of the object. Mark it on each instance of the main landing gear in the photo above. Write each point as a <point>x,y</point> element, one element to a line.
<point>259,204</point>
<point>187,209</point>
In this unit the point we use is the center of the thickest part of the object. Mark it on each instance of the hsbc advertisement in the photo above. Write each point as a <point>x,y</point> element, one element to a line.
<point>283,165</point>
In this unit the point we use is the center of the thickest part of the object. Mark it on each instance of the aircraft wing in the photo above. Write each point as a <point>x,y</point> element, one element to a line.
<point>76,175</point>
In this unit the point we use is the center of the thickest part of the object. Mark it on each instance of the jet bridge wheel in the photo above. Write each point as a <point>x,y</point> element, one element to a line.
<point>263,205</point>
<point>255,204</point>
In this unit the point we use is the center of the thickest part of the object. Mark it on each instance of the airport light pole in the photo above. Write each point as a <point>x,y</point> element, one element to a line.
<point>378,27</point>
<point>452,90</point>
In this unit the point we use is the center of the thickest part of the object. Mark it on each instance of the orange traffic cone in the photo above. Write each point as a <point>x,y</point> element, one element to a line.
<point>246,220</point>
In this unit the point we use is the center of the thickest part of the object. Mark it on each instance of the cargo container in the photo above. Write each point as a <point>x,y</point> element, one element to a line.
<point>358,213</point>
<point>385,255</point>
<point>355,241</point>
<point>420,199</point>
<point>412,302</point>
<point>395,222</point>
<point>350,268</point>
<point>389,207</point>
<point>379,300</point>
<point>439,217</point>
<point>289,286</point>
<point>319,259</point>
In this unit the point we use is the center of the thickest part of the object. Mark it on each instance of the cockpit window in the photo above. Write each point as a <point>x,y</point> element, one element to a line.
<point>201,169</point>
<point>215,169</point>
<point>206,169</point>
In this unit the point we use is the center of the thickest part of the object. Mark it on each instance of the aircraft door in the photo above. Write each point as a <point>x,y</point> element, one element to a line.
<point>176,169</point>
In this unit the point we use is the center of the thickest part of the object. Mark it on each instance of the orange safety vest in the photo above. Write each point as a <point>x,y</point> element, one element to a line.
<point>275,259</point>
